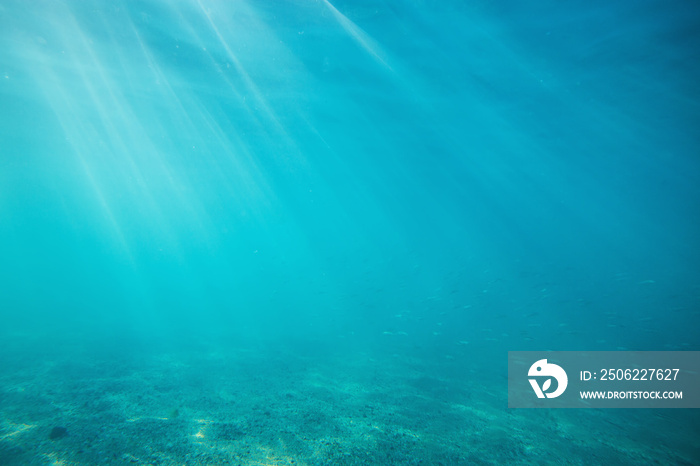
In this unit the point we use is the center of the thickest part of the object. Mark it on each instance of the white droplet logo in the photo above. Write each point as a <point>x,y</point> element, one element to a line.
<point>543,369</point>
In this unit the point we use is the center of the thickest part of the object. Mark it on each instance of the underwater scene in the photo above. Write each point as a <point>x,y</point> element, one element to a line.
<point>309,232</point>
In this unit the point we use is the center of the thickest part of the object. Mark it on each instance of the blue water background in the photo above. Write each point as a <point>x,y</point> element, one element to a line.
<point>479,177</point>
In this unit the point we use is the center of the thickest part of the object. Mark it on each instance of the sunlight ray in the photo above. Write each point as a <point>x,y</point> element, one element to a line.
<point>360,36</point>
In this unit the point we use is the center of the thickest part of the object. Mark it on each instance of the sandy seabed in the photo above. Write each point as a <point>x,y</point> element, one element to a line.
<point>298,404</point>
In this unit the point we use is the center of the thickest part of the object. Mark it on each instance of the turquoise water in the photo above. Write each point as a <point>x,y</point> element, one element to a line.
<point>309,232</point>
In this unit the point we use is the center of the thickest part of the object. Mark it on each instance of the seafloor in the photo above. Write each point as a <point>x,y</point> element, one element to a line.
<point>294,403</point>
